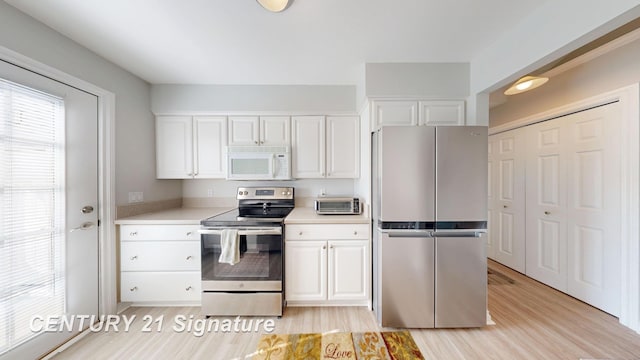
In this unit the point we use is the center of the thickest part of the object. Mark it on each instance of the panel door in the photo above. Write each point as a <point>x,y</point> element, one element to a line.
<point>308,147</point>
<point>508,201</point>
<point>448,112</point>
<point>174,147</point>
<point>343,147</point>
<point>546,198</point>
<point>275,130</point>
<point>210,133</point>
<point>395,113</point>
<point>348,270</point>
<point>244,130</point>
<point>593,213</point>
<point>306,270</point>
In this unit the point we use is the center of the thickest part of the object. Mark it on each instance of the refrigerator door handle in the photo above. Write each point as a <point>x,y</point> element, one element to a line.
<point>457,234</point>
<point>410,234</point>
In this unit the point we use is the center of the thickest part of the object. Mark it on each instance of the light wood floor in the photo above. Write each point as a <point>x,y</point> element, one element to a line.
<point>532,320</point>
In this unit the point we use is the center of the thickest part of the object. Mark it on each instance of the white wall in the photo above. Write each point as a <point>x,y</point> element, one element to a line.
<point>135,144</point>
<point>429,80</point>
<point>608,72</point>
<point>309,99</point>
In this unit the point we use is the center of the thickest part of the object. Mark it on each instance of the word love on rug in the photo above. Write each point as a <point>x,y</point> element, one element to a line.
<point>396,345</point>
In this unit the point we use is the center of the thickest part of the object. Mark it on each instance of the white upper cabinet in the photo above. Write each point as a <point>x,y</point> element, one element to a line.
<point>343,146</point>
<point>326,148</point>
<point>263,130</point>
<point>414,112</point>
<point>450,112</point>
<point>210,133</point>
<point>308,146</point>
<point>275,130</point>
<point>188,148</point>
<point>395,113</point>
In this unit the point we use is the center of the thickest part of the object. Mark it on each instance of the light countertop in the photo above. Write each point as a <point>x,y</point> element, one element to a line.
<point>178,216</point>
<point>307,215</point>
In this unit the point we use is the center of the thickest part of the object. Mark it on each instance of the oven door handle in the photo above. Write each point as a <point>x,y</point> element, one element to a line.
<point>245,231</point>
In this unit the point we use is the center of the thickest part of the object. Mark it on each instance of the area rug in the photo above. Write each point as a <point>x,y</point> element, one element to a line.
<point>396,345</point>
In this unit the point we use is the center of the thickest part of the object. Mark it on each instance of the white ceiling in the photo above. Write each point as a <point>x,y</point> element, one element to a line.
<point>312,42</point>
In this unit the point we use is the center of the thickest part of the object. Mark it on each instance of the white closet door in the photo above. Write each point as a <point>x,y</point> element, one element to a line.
<point>508,230</point>
<point>593,213</point>
<point>546,232</point>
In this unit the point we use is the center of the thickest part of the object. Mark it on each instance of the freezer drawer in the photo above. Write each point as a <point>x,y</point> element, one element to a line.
<point>406,282</point>
<point>460,281</point>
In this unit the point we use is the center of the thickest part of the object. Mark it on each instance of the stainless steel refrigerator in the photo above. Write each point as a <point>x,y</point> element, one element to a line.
<point>430,212</point>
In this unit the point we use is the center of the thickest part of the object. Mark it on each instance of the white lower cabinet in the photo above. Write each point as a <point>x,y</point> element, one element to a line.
<point>160,264</point>
<point>327,265</point>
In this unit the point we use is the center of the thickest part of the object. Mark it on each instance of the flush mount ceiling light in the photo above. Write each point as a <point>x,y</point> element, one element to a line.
<point>274,5</point>
<point>525,84</point>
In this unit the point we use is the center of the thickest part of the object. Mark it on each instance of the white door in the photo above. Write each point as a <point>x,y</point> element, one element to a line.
<point>48,212</point>
<point>593,214</point>
<point>508,203</point>
<point>547,203</point>
<point>343,147</point>
<point>210,134</point>
<point>348,269</point>
<point>491,197</point>
<point>243,130</point>
<point>308,146</point>
<point>275,130</point>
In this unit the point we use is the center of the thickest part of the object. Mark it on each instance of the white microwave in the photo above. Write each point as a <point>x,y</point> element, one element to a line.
<point>258,163</point>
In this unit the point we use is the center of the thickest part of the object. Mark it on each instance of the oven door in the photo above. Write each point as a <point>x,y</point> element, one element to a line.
<point>261,261</point>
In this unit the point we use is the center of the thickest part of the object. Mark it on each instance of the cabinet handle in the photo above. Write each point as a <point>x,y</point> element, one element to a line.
<point>190,174</point>
<point>133,233</point>
<point>189,288</point>
<point>331,247</point>
<point>355,233</point>
<point>196,174</point>
<point>324,247</point>
<point>134,257</point>
<point>189,233</point>
<point>547,212</point>
<point>189,257</point>
<point>505,206</point>
<point>300,233</point>
<point>135,288</point>
<point>256,142</point>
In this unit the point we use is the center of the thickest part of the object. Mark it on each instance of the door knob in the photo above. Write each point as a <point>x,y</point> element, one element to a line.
<point>87,209</point>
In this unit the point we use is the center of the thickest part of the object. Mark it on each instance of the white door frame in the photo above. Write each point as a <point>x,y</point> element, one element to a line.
<point>629,98</point>
<point>107,299</point>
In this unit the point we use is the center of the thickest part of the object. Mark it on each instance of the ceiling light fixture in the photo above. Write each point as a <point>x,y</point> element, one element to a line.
<point>525,84</point>
<point>274,5</point>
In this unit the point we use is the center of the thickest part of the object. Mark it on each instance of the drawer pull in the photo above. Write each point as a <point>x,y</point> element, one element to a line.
<point>189,233</point>
<point>189,288</point>
<point>133,233</point>
<point>189,257</point>
<point>355,233</point>
<point>300,233</point>
<point>547,212</point>
<point>134,257</point>
<point>135,288</point>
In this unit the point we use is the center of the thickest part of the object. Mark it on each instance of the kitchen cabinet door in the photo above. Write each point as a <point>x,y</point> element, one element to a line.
<point>395,112</point>
<point>306,270</point>
<point>210,134</point>
<point>275,130</point>
<point>348,270</point>
<point>244,130</point>
<point>308,147</point>
<point>174,147</point>
<point>343,147</point>
<point>447,112</point>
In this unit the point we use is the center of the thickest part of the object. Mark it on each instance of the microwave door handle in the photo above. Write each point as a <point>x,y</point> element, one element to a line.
<point>273,166</point>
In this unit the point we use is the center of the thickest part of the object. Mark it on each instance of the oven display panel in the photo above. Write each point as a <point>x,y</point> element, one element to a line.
<point>263,192</point>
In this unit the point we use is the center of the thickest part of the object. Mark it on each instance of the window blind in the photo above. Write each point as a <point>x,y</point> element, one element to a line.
<point>32,225</point>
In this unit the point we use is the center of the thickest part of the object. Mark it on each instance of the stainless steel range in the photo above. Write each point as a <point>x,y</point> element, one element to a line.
<point>251,238</point>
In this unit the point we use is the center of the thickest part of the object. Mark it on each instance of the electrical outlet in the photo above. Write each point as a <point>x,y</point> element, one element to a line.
<point>209,192</point>
<point>322,193</point>
<point>136,197</point>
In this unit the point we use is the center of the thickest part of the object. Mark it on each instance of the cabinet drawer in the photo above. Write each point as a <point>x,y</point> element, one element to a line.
<point>160,255</point>
<point>160,286</point>
<point>327,231</point>
<point>159,232</point>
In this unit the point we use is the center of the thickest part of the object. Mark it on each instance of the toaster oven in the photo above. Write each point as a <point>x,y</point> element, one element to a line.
<point>338,206</point>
